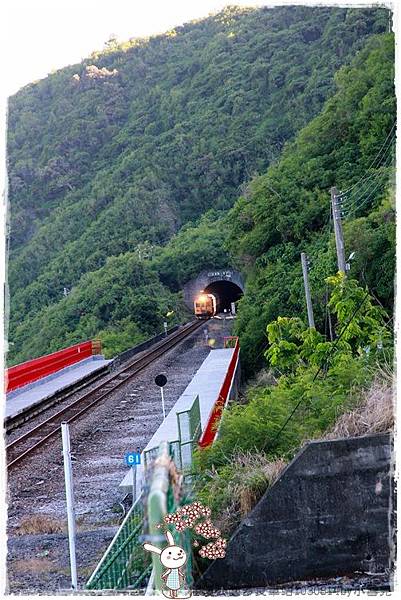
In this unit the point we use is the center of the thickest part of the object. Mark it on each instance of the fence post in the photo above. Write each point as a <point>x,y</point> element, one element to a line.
<point>157,507</point>
<point>69,490</point>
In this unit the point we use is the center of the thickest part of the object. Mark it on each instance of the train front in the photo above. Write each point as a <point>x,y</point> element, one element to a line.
<point>205,306</point>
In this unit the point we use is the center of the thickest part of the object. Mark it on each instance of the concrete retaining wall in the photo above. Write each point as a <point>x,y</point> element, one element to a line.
<point>328,514</point>
<point>128,354</point>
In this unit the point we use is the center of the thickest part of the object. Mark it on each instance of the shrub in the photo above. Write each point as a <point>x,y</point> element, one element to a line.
<point>317,382</point>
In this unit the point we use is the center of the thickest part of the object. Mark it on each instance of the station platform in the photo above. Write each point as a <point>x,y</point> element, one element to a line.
<point>38,391</point>
<point>206,384</point>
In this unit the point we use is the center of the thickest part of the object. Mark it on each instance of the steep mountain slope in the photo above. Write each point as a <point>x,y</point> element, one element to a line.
<point>311,382</point>
<point>125,301</point>
<point>123,149</point>
<point>286,211</point>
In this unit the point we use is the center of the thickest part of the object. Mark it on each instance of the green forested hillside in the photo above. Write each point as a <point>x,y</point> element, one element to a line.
<point>287,210</point>
<point>128,298</point>
<point>110,158</point>
<point>310,381</point>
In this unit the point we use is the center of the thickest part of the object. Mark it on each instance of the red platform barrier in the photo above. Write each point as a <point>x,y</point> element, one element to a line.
<point>209,434</point>
<point>35,369</point>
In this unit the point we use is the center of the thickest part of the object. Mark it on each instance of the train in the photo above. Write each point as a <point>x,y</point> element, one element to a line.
<point>205,306</point>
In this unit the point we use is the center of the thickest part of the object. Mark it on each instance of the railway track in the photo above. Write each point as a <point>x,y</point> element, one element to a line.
<point>15,421</point>
<point>36,437</point>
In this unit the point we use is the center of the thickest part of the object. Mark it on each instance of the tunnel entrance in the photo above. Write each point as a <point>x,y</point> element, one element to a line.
<point>227,284</point>
<point>225,292</point>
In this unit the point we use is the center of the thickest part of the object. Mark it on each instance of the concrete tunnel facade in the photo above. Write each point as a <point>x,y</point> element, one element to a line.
<point>226,284</point>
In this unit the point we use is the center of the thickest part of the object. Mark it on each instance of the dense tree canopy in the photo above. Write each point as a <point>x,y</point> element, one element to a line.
<point>287,210</point>
<point>113,162</point>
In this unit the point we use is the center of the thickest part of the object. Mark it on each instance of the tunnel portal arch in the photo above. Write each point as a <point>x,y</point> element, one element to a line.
<point>226,284</point>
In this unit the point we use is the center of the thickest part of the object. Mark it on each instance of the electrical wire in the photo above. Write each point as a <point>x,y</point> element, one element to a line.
<point>363,198</point>
<point>322,366</point>
<point>366,200</point>
<point>374,160</point>
<point>370,184</point>
<point>350,199</point>
<point>355,200</point>
<point>372,293</point>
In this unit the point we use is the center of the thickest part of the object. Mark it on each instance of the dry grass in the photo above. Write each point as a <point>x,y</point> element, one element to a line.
<point>34,524</point>
<point>252,475</point>
<point>374,414</point>
<point>259,470</point>
<point>34,565</point>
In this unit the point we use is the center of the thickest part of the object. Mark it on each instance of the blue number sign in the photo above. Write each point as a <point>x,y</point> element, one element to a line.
<point>132,459</point>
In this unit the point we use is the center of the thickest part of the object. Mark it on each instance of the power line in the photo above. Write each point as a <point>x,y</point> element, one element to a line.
<point>373,170</point>
<point>366,200</point>
<point>351,198</point>
<point>363,198</point>
<point>373,162</point>
<point>369,184</point>
<point>322,366</point>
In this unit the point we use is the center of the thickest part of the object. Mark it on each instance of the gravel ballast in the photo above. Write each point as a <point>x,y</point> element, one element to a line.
<point>125,421</point>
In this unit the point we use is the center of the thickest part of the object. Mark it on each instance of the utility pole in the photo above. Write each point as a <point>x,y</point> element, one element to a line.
<point>338,230</point>
<point>304,261</point>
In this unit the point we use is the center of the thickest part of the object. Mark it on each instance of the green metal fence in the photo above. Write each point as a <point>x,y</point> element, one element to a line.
<point>126,565</point>
<point>189,431</point>
<point>175,452</point>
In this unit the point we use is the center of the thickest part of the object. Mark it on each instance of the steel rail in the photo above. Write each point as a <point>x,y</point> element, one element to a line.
<point>116,380</point>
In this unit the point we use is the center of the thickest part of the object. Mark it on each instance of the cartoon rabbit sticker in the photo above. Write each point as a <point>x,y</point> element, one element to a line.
<point>172,557</point>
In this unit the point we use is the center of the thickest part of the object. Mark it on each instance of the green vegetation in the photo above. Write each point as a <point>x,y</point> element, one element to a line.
<point>126,300</point>
<point>126,292</point>
<point>112,157</point>
<point>217,144</point>
<point>311,380</point>
<point>316,381</point>
<point>287,210</point>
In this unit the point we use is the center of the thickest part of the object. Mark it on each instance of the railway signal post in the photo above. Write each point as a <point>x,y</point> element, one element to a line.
<point>161,380</point>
